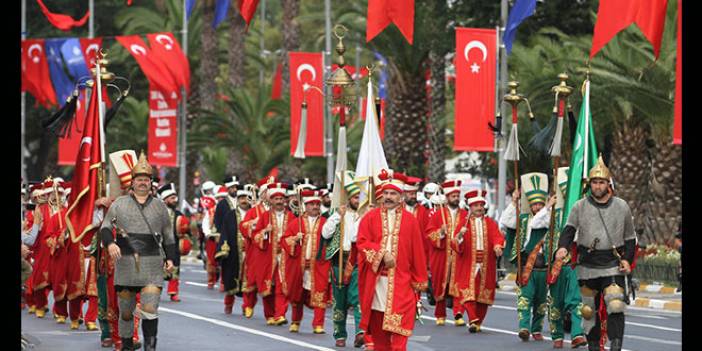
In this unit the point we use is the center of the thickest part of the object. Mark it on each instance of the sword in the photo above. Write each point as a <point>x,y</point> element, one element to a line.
<point>121,232</point>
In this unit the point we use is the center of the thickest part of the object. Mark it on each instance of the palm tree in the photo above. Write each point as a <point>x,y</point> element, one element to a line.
<point>291,35</point>
<point>252,128</point>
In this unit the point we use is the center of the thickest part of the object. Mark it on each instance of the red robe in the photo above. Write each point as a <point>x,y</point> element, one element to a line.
<point>422,214</point>
<point>56,225</point>
<point>264,251</point>
<point>246,227</point>
<point>408,276</point>
<point>294,264</point>
<point>41,254</point>
<point>441,256</point>
<point>482,291</point>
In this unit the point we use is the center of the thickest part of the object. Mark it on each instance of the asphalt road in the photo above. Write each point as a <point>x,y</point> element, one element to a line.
<point>199,323</point>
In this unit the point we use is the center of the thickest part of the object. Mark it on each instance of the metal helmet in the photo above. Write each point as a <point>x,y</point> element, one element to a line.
<point>431,188</point>
<point>208,188</point>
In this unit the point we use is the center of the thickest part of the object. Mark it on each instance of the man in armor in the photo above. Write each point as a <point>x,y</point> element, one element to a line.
<point>606,246</point>
<point>142,250</point>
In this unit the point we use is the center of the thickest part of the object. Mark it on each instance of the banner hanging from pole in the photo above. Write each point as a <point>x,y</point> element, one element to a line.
<point>163,129</point>
<point>306,69</point>
<point>475,89</point>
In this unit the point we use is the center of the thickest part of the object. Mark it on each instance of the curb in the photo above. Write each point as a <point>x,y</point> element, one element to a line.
<point>657,288</point>
<point>658,304</point>
<point>669,305</point>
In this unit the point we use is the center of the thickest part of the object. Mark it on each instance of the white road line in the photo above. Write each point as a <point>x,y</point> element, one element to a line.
<point>246,330</point>
<point>650,316</point>
<point>631,323</point>
<point>660,341</point>
<point>654,326</point>
<point>196,284</point>
<point>545,337</point>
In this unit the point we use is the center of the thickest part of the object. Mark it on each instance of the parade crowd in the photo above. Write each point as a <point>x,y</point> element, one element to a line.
<point>370,256</point>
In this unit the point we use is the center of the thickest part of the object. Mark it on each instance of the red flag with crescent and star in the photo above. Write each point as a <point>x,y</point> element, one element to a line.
<point>166,48</point>
<point>35,72</point>
<point>81,201</point>
<point>476,68</point>
<point>91,47</point>
<point>306,69</point>
<point>154,69</point>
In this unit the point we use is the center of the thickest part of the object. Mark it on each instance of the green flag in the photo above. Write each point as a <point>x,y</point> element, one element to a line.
<point>584,155</point>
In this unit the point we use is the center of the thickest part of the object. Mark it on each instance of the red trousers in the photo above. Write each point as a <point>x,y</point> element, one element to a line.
<point>173,285</point>
<point>281,301</point>
<point>250,300</point>
<point>211,250</point>
<point>92,312</point>
<point>297,308</point>
<point>384,340</point>
<point>476,311</point>
<point>440,310</point>
<point>40,298</point>
<point>69,307</point>
<point>228,300</point>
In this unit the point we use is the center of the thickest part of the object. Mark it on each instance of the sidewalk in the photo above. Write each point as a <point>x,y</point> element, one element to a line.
<point>653,296</point>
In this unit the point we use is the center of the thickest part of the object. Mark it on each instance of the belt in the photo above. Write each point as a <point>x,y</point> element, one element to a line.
<point>144,244</point>
<point>383,272</point>
<point>307,264</point>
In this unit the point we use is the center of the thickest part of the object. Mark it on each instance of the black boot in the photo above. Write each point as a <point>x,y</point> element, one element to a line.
<point>127,344</point>
<point>150,343</point>
<point>615,345</point>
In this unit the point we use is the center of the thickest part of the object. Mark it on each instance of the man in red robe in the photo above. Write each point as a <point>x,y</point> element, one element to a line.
<point>442,261</point>
<point>55,225</point>
<point>267,257</point>
<point>392,269</point>
<point>306,269</point>
<point>247,227</point>
<point>477,243</point>
<point>40,283</point>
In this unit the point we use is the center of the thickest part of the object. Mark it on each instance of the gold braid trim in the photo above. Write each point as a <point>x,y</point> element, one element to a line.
<point>423,286</point>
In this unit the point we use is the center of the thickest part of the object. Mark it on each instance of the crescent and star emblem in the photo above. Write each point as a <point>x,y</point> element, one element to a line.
<point>169,42</point>
<point>306,67</point>
<point>90,48</point>
<point>85,155</point>
<point>137,49</point>
<point>33,47</point>
<point>473,44</point>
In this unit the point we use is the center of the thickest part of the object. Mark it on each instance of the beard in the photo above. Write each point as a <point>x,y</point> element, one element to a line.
<point>599,194</point>
<point>411,202</point>
<point>172,205</point>
<point>353,206</point>
<point>453,204</point>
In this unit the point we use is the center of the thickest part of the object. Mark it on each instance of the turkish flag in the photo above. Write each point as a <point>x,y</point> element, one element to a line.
<point>61,21</point>
<point>68,146</point>
<point>35,73</point>
<point>476,62</point>
<point>166,48</point>
<point>677,121</point>
<point>247,9</point>
<point>615,15</point>
<point>307,68</point>
<point>154,70</point>
<point>81,202</point>
<point>383,12</point>
<point>163,128</point>
<point>91,48</point>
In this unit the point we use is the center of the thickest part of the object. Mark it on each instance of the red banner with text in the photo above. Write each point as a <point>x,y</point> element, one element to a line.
<point>163,129</point>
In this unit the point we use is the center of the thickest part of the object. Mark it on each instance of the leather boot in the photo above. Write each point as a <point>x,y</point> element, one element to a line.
<point>615,345</point>
<point>150,343</point>
<point>127,344</point>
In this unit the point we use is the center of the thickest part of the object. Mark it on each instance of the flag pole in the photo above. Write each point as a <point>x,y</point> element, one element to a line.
<point>183,116</point>
<point>512,153</point>
<point>341,226</point>
<point>23,149</point>
<point>327,114</point>
<point>501,161</point>
<point>101,116</point>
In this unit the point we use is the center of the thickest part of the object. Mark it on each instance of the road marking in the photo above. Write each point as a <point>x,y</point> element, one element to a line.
<point>64,333</point>
<point>245,329</point>
<point>669,342</point>
<point>545,337</point>
<point>195,270</point>
<point>654,326</point>
<point>505,307</point>
<point>650,316</point>
<point>196,284</point>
